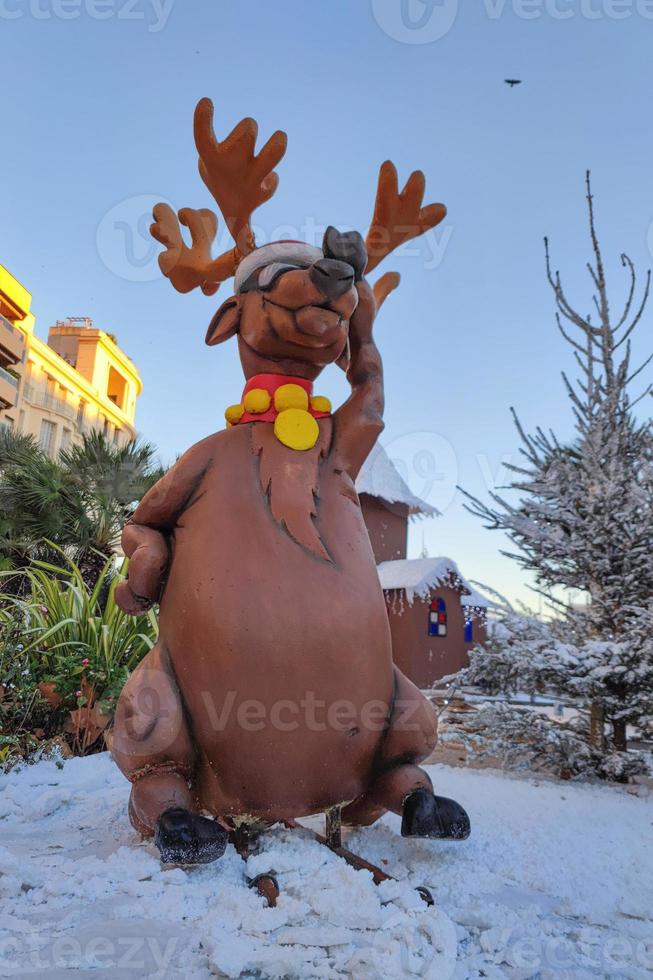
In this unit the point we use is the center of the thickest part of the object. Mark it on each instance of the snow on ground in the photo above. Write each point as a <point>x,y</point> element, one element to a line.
<point>556,881</point>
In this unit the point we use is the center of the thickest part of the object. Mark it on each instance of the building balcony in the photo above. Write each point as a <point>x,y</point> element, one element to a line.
<point>12,342</point>
<point>42,398</point>
<point>8,389</point>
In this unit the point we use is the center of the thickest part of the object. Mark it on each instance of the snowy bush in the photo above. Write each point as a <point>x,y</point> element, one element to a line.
<point>522,654</point>
<point>525,655</point>
<point>520,738</point>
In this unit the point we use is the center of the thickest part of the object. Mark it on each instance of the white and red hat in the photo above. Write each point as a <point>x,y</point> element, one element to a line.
<point>285,253</point>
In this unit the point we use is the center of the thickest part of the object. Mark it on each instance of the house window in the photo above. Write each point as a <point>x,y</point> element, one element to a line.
<point>438,618</point>
<point>47,436</point>
<point>469,632</point>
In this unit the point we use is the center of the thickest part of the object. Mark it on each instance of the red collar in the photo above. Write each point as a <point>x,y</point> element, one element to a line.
<point>262,384</point>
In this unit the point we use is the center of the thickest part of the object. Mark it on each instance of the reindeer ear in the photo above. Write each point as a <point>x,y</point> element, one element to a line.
<point>225,323</point>
<point>345,357</point>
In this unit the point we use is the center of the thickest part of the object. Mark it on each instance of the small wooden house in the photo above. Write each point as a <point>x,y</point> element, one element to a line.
<point>435,615</point>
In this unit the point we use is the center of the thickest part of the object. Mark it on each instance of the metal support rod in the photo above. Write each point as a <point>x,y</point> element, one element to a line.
<point>334,827</point>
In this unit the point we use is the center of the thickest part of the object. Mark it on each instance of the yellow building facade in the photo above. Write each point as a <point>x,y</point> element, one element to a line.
<point>14,306</point>
<point>77,382</point>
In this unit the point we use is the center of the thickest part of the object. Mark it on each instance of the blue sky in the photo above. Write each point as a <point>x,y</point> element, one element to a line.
<point>97,116</point>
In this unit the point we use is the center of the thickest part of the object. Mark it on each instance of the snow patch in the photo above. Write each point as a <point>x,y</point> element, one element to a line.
<point>553,878</point>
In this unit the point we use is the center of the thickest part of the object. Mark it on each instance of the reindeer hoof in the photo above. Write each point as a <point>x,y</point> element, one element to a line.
<point>186,838</point>
<point>426,815</point>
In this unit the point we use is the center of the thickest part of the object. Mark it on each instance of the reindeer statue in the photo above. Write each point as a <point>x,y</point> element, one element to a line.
<point>272,693</point>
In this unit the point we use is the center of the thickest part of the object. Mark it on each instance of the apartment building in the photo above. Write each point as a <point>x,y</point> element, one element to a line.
<point>78,381</point>
<point>14,305</point>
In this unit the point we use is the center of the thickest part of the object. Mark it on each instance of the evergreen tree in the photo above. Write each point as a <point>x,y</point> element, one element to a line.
<point>583,519</point>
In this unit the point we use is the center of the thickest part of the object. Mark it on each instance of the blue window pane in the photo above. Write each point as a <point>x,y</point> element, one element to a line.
<point>437,618</point>
<point>469,632</point>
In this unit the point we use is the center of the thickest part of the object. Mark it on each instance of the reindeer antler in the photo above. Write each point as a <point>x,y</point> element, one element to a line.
<point>240,181</point>
<point>187,267</point>
<point>398,216</point>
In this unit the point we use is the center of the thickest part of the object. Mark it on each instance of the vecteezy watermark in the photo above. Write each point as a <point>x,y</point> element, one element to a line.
<point>588,952</point>
<point>229,710</point>
<point>129,955</point>
<point>415,21</point>
<point>426,21</point>
<point>426,462</point>
<point>429,248</point>
<point>649,239</point>
<point>566,9</point>
<point>493,473</point>
<point>126,247</point>
<point>154,13</point>
<point>123,239</point>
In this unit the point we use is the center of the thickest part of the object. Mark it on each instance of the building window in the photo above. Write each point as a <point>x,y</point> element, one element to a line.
<point>47,436</point>
<point>469,632</point>
<point>80,413</point>
<point>65,439</point>
<point>438,618</point>
<point>116,388</point>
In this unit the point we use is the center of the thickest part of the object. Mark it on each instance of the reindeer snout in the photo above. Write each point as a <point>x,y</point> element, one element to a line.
<point>332,277</point>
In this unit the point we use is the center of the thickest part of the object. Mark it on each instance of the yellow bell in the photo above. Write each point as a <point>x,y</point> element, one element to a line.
<point>319,403</point>
<point>234,414</point>
<point>290,396</point>
<point>295,428</point>
<point>257,401</point>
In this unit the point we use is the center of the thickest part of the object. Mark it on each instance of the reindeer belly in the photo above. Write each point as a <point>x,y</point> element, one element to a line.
<point>283,658</point>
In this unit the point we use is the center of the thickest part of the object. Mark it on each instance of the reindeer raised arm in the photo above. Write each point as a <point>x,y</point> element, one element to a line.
<point>398,217</point>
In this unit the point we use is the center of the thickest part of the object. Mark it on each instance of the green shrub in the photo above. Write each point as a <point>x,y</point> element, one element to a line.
<point>66,652</point>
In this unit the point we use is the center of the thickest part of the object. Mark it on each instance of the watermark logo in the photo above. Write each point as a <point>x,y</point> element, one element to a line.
<point>426,462</point>
<point>426,21</point>
<point>153,13</point>
<point>126,955</point>
<point>126,247</point>
<point>567,9</point>
<point>123,239</point>
<point>415,21</point>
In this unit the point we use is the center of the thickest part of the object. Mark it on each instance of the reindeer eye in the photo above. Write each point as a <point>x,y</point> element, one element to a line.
<point>269,275</point>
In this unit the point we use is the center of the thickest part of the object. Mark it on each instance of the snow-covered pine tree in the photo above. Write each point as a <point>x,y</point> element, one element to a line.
<point>584,517</point>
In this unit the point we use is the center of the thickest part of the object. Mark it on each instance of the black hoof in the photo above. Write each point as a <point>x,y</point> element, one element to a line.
<point>187,838</point>
<point>426,815</point>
